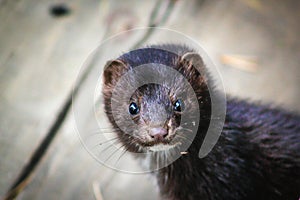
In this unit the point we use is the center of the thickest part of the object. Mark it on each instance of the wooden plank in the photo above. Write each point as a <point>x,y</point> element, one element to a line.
<point>68,171</point>
<point>39,61</point>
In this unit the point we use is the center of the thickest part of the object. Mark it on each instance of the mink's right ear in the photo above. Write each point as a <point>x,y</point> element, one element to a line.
<point>113,70</point>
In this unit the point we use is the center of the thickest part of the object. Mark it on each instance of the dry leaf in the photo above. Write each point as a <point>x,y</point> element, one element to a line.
<point>245,63</point>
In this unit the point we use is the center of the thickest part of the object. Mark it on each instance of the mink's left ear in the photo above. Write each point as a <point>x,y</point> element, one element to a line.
<point>193,61</point>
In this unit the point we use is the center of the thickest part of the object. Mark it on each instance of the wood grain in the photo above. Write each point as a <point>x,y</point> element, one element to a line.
<point>40,59</point>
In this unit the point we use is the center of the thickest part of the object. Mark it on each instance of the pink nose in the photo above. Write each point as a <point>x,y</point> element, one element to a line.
<point>158,133</point>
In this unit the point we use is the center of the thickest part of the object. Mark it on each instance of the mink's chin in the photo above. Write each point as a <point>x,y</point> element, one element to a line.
<point>155,142</point>
<point>161,147</point>
<point>158,145</point>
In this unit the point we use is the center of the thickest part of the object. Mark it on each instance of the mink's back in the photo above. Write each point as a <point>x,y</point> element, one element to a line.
<point>269,140</point>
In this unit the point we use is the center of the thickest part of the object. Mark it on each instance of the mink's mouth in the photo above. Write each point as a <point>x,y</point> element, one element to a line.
<point>158,145</point>
<point>155,142</point>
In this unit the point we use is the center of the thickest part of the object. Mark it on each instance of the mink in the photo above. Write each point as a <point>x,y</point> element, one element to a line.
<point>257,155</point>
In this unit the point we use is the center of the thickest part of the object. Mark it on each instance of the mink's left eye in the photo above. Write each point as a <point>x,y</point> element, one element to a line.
<point>178,105</point>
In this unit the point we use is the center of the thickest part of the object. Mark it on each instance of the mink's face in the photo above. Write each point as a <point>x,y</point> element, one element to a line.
<point>157,112</point>
<point>154,118</point>
<point>152,106</point>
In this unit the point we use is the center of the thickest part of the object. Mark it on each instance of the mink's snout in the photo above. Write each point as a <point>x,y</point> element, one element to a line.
<point>158,133</point>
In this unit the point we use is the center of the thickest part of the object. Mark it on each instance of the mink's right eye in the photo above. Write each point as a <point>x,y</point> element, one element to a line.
<point>133,108</point>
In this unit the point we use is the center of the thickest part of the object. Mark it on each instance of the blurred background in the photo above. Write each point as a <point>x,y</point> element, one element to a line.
<point>43,45</point>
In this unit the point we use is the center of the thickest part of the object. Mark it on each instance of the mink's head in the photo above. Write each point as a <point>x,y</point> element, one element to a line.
<point>160,112</point>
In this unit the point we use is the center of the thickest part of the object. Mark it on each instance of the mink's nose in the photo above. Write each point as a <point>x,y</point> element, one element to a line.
<point>158,133</point>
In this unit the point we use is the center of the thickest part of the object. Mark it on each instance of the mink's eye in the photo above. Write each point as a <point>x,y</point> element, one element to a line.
<point>133,108</point>
<point>178,105</point>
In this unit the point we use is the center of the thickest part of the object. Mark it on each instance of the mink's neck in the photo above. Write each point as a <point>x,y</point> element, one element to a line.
<point>188,168</point>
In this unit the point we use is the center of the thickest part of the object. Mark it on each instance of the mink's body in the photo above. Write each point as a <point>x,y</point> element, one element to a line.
<point>256,157</point>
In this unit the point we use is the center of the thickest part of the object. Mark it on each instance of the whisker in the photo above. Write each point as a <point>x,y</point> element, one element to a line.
<point>106,148</point>
<point>102,132</point>
<point>113,153</point>
<point>102,143</point>
<point>122,154</point>
<point>112,139</point>
<point>98,131</point>
<point>184,138</point>
<point>102,128</point>
<point>183,128</point>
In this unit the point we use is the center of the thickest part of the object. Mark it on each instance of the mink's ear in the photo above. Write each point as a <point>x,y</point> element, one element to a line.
<point>113,70</point>
<point>194,65</point>
<point>194,59</point>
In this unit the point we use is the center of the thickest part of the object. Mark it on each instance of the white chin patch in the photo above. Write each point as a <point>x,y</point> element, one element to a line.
<point>161,147</point>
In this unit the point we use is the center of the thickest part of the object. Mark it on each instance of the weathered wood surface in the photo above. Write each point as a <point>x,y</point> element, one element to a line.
<point>40,57</point>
